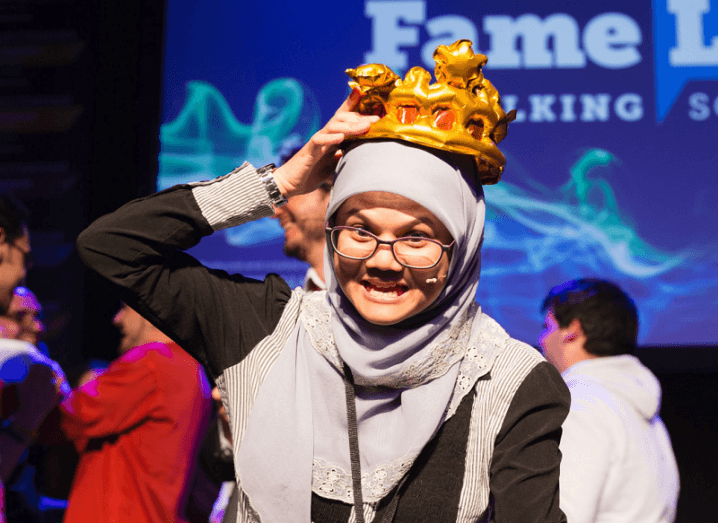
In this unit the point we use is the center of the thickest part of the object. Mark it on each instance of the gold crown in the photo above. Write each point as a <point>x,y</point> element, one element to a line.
<point>461,113</point>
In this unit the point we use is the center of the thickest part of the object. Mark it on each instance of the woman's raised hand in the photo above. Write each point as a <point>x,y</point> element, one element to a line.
<point>315,162</point>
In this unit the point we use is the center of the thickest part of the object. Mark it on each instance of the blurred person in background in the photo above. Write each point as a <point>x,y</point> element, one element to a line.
<point>137,427</point>
<point>25,311</point>
<point>30,383</point>
<point>22,322</point>
<point>303,220</point>
<point>618,463</point>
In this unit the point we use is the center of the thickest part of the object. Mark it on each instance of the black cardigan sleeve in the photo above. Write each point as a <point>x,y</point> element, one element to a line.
<point>137,250</point>
<point>526,461</point>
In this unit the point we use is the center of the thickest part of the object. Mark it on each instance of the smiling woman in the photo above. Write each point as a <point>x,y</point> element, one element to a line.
<point>388,397</point>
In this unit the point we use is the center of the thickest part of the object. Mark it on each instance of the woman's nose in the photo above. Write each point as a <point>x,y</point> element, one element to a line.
<point>384,259</point>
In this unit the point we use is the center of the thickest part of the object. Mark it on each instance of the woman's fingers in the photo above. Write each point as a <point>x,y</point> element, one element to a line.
<point>312,164</point>
<point>350,120</point>
<point>350,102</point>
<point>328,139</point>
<point>343,125</point>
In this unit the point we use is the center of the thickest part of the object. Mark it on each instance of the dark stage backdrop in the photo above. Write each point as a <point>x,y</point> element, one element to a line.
<point>611,163</point>
<point>79,118</point>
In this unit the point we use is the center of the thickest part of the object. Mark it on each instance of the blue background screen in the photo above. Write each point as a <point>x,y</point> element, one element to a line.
<point>611,164</point>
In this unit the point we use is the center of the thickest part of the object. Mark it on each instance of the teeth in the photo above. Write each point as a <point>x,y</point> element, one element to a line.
<point>385,288</point>
<point>384,285</point>
<point>395,292</point>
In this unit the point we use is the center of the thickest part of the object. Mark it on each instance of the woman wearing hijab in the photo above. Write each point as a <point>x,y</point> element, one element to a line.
<point>388,397</point>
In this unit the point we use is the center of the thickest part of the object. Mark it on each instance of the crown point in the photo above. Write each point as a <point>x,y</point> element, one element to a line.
<point>373,76</point>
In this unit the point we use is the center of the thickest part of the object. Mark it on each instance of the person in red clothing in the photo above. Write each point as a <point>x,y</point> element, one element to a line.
<point>137,427</point>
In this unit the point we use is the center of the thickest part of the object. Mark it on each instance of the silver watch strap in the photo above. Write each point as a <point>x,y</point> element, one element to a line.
<point>266,174</point>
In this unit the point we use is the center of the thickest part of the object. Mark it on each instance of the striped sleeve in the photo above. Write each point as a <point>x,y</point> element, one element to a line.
<point>233,199</point>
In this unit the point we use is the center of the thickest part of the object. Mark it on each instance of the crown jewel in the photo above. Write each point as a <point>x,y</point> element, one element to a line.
<point>459,113</point>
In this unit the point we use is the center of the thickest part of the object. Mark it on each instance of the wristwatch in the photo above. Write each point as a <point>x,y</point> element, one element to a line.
<point>266,174</point>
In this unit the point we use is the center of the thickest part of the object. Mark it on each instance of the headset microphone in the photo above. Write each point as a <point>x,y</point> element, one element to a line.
<point>435,280</point>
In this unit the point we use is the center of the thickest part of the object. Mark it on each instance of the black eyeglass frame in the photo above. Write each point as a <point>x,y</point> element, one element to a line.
<point>330,240</point>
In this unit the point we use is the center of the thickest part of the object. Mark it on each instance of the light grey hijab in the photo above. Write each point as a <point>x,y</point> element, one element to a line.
<point>405,375</point>
<point>445,185</point>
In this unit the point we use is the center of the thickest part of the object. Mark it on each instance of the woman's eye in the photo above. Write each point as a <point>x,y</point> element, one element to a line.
<point>417,236</point>
<point>415,242</point>
<point>360,233</point>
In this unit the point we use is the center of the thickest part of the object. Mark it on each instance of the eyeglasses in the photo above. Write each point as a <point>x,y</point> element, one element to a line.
<point>414,252</point>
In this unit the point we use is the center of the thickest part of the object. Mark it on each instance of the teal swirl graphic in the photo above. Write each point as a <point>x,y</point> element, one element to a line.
<point>538,238</point>
<point>535,237</point>
<point>580,222</point>
<point>206,140</point>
